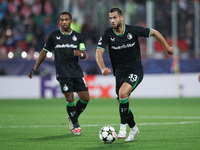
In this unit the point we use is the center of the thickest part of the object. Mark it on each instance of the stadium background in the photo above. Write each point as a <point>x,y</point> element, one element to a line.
<point>26,24</point>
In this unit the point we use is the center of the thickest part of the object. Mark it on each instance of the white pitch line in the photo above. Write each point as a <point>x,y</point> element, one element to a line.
<point>171,117</point>
<point>99,125</point>
<point>161,117</point>
<point>170,123</point>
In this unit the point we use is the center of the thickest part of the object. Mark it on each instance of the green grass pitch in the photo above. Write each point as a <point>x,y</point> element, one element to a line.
<point>164,124</point>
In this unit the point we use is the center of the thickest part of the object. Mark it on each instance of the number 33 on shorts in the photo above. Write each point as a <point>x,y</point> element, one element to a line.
<point>133,77</point>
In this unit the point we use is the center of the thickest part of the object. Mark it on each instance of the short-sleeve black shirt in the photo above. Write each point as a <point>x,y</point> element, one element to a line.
<point>124,49</point>
<point>63,46</point>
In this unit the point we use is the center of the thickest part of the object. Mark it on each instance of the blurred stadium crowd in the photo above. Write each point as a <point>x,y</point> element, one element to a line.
<point>26,24</point>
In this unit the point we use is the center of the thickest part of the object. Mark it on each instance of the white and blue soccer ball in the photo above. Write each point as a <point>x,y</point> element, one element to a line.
<point>107,134</point>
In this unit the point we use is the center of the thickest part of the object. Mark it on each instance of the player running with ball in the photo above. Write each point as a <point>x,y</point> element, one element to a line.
<point>68,47</point>
<point>124,50</point>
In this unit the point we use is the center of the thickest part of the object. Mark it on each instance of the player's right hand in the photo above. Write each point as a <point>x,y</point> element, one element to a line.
<point>105,71</point>
<point>31,73</point>
<point>170,50</point>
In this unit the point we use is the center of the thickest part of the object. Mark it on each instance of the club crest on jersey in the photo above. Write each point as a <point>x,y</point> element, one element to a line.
<point>129,36</point>
<point>58,37</point>
<point>74,38</point>
<point>65,88</point>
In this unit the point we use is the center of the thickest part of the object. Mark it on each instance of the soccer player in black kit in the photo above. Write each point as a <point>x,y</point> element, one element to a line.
<point>124,50</point>
<point>67,46</point>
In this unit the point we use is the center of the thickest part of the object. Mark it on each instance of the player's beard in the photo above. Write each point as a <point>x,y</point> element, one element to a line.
<point>118,25</point>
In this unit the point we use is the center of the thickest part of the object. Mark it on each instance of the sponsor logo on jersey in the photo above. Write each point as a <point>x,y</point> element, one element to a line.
<point>66,46</point>
<point>123,46</point>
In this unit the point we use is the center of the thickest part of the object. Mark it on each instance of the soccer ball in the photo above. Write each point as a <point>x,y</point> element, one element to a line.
<point>107,134</point>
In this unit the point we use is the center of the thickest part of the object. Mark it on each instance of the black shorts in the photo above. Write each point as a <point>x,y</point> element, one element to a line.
<point>73,85</point>
<point>134,78</point>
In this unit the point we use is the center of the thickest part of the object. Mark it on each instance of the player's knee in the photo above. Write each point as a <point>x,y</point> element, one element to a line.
<point>123,95</point>
<point>86,98</point>
<point>69,97</point>
<point>70,100</point>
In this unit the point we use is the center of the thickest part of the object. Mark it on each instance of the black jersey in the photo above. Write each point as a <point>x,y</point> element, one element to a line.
<point>63,46</point>
<point>124,49</point>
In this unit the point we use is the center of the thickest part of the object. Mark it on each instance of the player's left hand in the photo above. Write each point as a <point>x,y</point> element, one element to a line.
<point>31,73</point>
<point>77,53</point>
<point>199,77</point>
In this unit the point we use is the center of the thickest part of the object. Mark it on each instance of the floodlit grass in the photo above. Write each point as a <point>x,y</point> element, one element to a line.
<point>164,124</point>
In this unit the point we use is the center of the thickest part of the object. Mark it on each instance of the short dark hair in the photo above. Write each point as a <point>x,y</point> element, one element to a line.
<point>66,13</point>
<point>116,10</point>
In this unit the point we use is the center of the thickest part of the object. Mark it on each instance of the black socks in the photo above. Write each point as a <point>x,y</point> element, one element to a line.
<point>75,111</point>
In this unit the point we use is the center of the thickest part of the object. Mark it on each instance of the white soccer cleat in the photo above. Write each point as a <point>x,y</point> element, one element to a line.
<point>71,126</point>
<point>122,132</point>
<point>133,132</point>
<point>76,131</point>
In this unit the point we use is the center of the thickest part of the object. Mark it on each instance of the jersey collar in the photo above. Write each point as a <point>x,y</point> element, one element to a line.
<point>122,32</point>
<point>66,34</point>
